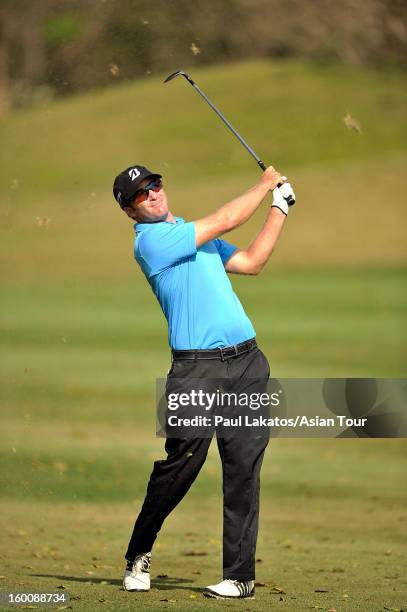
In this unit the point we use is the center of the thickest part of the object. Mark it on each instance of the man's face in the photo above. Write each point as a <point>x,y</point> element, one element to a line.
<point>150,206</point>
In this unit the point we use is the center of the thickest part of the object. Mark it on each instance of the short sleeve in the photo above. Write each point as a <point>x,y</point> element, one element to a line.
<point>225,249</point>
<point>167,246</point>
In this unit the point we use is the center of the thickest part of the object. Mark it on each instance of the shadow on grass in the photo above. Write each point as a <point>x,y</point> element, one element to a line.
<point>162,584</point>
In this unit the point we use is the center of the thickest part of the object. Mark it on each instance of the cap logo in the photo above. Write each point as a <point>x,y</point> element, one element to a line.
<point>134,173</point>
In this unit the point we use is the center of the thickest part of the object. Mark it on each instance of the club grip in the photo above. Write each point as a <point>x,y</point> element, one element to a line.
<point>290,200</point>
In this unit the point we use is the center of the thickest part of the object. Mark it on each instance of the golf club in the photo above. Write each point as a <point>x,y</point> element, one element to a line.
<point>173,75</point>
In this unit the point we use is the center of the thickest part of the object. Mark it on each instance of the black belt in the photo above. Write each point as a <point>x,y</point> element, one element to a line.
<point>218,353</point>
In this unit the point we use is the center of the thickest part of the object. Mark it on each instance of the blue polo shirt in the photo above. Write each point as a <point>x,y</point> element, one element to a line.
<point>191,285</point>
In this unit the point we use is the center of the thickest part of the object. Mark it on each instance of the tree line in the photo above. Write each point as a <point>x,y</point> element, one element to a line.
<point>59,47</point>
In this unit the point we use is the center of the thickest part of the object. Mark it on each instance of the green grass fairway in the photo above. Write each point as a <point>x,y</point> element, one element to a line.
<point>78,445</point>
<point>332,533</point>
<point>83,338</point>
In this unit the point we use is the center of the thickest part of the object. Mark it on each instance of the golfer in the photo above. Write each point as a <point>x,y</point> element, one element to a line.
<point>211,337</point>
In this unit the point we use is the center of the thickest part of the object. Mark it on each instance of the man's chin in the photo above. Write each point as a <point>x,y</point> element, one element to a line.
<point>162,217</point>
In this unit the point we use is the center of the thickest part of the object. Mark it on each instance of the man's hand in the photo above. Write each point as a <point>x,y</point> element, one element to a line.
<point>282,196</point>
<point>270,178</point>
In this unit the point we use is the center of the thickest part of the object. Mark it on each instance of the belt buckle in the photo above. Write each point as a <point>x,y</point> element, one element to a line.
<point>223,352</point>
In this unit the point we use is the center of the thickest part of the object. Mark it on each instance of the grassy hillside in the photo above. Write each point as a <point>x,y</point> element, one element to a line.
<point>59,162</point>
<point>291,113</point>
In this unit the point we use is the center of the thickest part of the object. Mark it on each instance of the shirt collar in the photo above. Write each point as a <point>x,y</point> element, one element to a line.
<point>139,227</point>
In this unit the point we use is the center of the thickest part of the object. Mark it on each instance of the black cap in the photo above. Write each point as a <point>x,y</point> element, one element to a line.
<point>128,182</point>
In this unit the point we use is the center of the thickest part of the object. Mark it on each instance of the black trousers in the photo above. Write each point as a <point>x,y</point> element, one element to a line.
<point>241,456</point>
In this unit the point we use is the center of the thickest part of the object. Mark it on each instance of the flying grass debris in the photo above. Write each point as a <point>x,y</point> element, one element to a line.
<point>195,50</point>
<point>43,221</point>
<point>114,70</point>
<point>352,124</point>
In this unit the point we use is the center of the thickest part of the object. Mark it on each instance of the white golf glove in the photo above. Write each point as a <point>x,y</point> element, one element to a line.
<point>281,196</point>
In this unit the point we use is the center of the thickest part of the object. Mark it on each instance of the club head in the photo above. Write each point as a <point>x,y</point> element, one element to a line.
<point>178,73</point>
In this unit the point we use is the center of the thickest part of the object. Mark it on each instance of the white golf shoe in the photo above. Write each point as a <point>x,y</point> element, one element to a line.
<point>137,574</point>
<point>231,589</point>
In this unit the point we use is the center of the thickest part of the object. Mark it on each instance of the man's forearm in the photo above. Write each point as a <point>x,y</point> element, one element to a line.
<point>237,211</point>
<point>240,209</point>
<point>263,245</point>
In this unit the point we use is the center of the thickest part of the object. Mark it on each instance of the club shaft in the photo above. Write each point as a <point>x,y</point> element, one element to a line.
<point>229,125</point>
<point>290,199</point>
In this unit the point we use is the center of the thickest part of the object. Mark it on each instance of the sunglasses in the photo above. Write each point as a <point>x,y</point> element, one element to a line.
<point>153,185</point>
